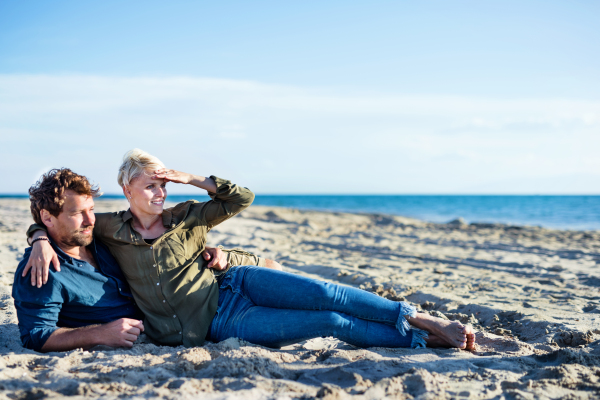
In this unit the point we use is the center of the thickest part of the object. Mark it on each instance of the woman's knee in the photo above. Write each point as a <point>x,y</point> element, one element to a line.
<point>335,320</point>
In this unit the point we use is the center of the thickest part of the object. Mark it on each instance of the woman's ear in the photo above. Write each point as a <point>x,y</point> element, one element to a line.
<point>127,192</point>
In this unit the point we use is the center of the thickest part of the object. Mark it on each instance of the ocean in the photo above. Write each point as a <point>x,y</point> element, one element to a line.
<point>561,212</point>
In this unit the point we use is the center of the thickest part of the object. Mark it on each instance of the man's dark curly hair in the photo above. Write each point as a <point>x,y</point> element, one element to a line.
<point>49,192</point>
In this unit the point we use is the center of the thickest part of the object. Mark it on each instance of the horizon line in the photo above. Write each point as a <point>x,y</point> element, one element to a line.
<point>115,195</point>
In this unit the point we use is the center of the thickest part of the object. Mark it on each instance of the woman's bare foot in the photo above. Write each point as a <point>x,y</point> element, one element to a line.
<point>444,333</point>
<point>470,338</point>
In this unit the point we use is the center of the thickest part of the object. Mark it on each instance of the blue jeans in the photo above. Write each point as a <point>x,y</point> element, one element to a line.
<point>274,308</point>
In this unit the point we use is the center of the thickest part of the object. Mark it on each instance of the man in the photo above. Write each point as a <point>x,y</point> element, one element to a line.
<point>86,301</point>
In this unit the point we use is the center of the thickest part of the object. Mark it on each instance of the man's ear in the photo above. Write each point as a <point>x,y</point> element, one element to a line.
<point>47,218</point>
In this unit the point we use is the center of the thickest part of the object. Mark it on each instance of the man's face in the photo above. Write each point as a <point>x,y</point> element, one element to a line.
<point>74,225</point>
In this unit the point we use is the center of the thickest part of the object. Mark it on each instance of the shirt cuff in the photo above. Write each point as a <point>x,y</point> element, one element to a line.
<point>37,337</point>
<point>238,257</point>
<point>33,228</point>
<point>223,187</point>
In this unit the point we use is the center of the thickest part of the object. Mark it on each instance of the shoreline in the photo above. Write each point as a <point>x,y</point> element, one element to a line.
<point>559,212</point>
<point>531,293</point>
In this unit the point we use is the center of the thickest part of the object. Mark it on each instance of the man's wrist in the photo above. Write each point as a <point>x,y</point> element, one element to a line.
<point>96,335</point>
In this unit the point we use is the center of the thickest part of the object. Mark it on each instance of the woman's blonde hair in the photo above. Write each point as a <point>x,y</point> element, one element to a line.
<point>135,162</point>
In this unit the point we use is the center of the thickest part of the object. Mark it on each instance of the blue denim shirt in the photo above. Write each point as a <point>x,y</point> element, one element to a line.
<point>77,296</point>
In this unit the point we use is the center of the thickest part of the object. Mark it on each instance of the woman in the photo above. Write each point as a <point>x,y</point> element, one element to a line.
<point>185,303</point>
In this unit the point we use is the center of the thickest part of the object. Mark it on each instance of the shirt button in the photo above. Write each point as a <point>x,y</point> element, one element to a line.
<point>157,283</point>
<point>164,301</point>
<point>180,333</point>
<point>119,289</point>
<point>154,265</point>
<point>174,316</point>
<point>150,247</point>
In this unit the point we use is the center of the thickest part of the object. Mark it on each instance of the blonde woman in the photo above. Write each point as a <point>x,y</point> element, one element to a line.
<point>185,303</point>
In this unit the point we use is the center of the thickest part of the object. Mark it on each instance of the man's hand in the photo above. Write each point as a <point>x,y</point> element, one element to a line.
<point>217,256</point>
<point>120,333</point>
<point>42,254</point>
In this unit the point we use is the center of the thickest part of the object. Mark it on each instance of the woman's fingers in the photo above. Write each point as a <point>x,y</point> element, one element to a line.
<point>171,175</point>
<point>56,263</point>
<point>27,267</point>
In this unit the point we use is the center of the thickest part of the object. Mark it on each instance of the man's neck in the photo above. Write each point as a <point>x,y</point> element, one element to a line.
<point>79,252</point>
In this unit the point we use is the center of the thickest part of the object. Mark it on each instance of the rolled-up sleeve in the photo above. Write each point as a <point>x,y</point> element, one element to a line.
<point>37,308</point>
<point>36,323</point>
<point>238,257</point>
<point>229,200</point>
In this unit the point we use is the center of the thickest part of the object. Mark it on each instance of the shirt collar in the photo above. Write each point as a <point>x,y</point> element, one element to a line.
<point>64,256</point>
<point>167,217</point>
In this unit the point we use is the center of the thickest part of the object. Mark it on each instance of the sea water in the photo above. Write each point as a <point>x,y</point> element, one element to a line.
<point>562,212</point>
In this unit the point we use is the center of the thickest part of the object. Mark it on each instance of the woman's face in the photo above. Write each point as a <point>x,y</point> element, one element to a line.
<point>146,195</point>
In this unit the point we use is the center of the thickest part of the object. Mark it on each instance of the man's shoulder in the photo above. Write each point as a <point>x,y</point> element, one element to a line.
<point>22,289</point>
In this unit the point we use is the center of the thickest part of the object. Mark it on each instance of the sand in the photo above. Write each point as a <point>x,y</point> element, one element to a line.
<point>532,295</point>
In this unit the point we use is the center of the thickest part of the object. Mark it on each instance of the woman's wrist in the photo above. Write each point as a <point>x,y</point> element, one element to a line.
<point>205,183</point>
<point>37,235</point>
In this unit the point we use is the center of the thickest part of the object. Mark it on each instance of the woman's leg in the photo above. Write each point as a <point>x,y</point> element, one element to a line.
<point>278,289</point>
<point>239,317</point>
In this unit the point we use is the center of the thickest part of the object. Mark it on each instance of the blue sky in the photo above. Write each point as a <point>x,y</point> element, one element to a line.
<point>307,97</point>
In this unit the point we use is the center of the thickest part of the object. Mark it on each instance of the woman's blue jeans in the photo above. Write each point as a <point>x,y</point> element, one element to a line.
<point>274,309</point>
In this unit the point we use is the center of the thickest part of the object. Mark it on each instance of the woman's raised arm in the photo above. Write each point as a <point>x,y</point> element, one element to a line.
<point>171,175</point>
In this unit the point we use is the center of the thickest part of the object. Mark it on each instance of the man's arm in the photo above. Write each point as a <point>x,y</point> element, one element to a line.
<point>38,314</point>
<point>120,333</point>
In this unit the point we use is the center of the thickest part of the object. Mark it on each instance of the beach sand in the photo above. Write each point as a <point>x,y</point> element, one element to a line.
<point>532,295</point>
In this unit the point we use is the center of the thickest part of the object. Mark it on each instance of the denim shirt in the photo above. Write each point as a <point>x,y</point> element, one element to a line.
<point>77,296</point>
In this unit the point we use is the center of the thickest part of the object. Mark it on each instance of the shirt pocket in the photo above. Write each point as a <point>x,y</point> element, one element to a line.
<point>193,241</point>
<point>178,252</point>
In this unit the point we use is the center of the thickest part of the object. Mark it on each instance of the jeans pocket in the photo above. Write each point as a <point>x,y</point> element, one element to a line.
<point>224,280</point>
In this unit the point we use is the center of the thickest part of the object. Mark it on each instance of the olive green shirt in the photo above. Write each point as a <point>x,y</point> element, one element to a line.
<point>169,280</point>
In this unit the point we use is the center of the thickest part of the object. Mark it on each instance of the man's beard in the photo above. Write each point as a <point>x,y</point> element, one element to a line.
<point>77,238</point>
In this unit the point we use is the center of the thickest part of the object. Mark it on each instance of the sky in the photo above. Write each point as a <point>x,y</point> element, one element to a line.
<point>310,97</point>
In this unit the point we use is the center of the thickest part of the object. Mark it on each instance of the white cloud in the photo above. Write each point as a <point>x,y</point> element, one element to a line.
<point>290,139</point>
